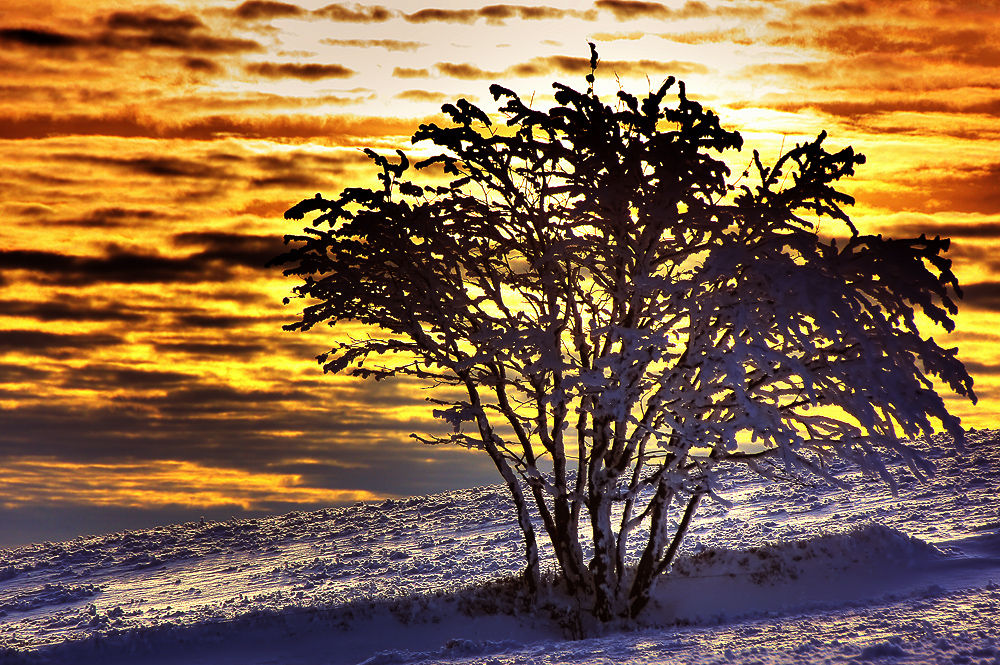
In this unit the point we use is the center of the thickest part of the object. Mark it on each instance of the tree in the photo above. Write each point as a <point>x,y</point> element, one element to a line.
<point>620,319</point>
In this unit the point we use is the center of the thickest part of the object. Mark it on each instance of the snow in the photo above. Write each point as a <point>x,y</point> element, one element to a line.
<point>792,573</point>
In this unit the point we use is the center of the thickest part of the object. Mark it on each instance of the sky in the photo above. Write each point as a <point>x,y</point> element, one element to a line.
<point>150,149</point>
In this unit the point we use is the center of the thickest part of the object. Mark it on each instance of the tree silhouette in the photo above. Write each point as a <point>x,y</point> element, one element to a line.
<point>620,318</point>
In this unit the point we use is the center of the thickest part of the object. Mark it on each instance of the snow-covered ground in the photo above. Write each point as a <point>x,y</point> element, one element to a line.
<point>792,573</point>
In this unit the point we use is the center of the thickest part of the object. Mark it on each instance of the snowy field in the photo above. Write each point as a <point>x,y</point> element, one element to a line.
<point>790,574</point>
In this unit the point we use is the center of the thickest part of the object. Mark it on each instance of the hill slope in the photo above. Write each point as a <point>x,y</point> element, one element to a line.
<point>793,573</point>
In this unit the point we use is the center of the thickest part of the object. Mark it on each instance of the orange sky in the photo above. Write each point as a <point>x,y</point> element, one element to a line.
<point>149,151</point>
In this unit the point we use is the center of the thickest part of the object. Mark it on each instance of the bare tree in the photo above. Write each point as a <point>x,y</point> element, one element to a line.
<point>621,319</point>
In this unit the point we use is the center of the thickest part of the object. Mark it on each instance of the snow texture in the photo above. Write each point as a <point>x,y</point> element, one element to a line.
<point>790,574</point>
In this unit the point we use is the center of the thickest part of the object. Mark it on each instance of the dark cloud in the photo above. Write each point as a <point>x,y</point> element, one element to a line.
<point>439,469</point>
<point>858,109</point>
<point>923,128</point>
<point>824,71</point>
<point>954,230</point>
<point>38,38</point>
<point>149,21</point>
<point>308,71</point>
<point>290,161</point>
<point>500,13</point>
<point>148,29</point>
<point>982,295</point>
<point>217,399</point>
<point>349,449</point>
<point>964,336</point>
<point>356,14</point>
<point>388,44</point>
<point>899,115</point>
<point>465,71</point>
<point>446,15</point>
<point>178,42</point>
<point>410,73</point>
<point>266,208</point>
<point>296,169</point>
<point>58,95</point>
<point>107,218</point>
<point>249,251</point>
<point>48,177</point>
<point>267,9</point>
<point>735,36</point>
<point>56,345</point>
<point>12,373</point>
<point>227,350</point>
<point>897,40</point>
<point>205,321</point>
<point>915,46</point>
<point>496,14</point>
<point>133,31</point>
<point>290,180</point>
<point>982,369</point>
<point>158,166</point>
<point>69,309</point>
<point>202,65</point>
<point>632,9</point>
<point>832,10</point>
<point>970,189</point>
<point>963,252</point>
<point>123,266</point>
<point>346,130</point>
<point>249,102</point>
<point>423,96</point>
<point>617,36</point>
<point>625,10</point>
<point>167,414</point>
<point>205,423</point>
<point>891,109</point>
<point>890,46</point>
<point>111,377</point>
<point>29,209</point>
<point>241,297</point>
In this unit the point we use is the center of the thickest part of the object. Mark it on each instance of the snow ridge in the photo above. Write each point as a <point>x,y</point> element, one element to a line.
<point>866,545</point>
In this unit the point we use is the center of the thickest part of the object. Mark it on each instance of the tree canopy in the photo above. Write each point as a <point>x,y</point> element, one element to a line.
<point>609,314</point>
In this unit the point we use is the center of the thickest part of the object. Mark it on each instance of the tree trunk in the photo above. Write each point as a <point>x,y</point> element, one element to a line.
<point>603,563</point>
<point>624,530</point>
<point>532,571</point>
<point>646,570</point>
<point>566,542</point>
<point>641,590</point>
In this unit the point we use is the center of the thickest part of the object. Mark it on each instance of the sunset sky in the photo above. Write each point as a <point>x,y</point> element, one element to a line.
<point>149,151</point>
